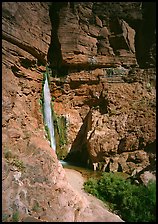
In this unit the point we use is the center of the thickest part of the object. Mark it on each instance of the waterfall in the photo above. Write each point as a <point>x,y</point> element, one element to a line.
<point>48,118</point>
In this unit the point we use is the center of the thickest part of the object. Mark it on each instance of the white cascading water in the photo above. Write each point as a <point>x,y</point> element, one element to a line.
<point>48,119</point>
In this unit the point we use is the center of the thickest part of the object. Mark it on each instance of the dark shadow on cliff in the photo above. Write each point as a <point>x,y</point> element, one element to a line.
<point>79,152</point>
<point>145,38</point>
<point>54,56</point>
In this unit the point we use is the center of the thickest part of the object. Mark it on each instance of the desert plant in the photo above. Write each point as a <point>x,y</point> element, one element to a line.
<point>5,217</point>
<point>134,203</point>
<point>36,207</point>
<point>40,101</point>
<point>91,186</point>
<point>113,112</point>
<point>8,154</point>
<point>18,163</point>
<point>53,98</point>
<point>15,216</point>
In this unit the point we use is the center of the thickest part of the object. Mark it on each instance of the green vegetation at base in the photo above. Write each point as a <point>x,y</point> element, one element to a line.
<point>134,203</point>
<point>60,127</point>
<point>15,216</point>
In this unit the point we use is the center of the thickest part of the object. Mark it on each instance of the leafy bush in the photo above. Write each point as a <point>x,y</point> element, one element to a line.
<point>134,203</point>
<point>91,187</point>
<point>36,206</point>
<point>15,216</point>
<point>5,217</point>
<point>8,154</point>
<point>18,163</point>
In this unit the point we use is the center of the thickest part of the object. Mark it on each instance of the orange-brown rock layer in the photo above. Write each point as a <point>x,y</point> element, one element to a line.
<point>115,118</point>
<point>90,35</point>
<point>34,184</point>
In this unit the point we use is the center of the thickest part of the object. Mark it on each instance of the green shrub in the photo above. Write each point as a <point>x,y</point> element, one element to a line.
<point>18,163</point>
<point>113,112</point>
<point>8,154</point>
<point>149,87</point>
<point>40,101</point>
<point>15,216</point>
<point>36,207</point>
<point>53,98</point>
<point>134,203</point>
<point>91,187</point>
<point>5,217</point>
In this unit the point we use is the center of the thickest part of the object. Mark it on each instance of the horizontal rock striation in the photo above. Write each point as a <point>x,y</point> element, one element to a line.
<point>106,72</point>
<point>83,40</point>
<point>90,35</point>
<point>118,118</point>
<point>34,184</point>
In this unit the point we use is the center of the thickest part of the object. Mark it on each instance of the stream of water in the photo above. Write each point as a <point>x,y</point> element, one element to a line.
<point>48,118</point>
<point>86,172</point>
<point>49,123</point>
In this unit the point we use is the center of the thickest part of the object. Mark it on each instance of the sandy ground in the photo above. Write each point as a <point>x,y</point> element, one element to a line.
<point>100,211</point>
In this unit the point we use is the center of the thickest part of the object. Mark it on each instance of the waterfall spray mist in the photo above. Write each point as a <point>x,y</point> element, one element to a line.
<point>48,118</point>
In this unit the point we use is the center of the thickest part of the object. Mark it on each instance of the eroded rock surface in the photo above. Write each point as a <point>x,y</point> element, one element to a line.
<point>100,214</point>
<point>86,39</point>
<point>118,129</point>
<point>98,51</point>
<point>34,185</point>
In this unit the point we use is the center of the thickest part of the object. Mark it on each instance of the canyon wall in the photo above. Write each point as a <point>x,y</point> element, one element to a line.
<point>34,184</point>
<point>107,90</point>
<point>99,85</point>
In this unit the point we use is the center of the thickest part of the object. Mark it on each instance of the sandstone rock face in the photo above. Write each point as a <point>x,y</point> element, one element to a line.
<point>31,31</point>
<point>86,41</point>
<point>34,184</point>
<point>119,125</point>
<point>91,34</point>
<point>98,52</point>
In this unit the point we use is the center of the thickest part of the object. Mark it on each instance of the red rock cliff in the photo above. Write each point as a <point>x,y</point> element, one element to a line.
<point>97,52</point>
